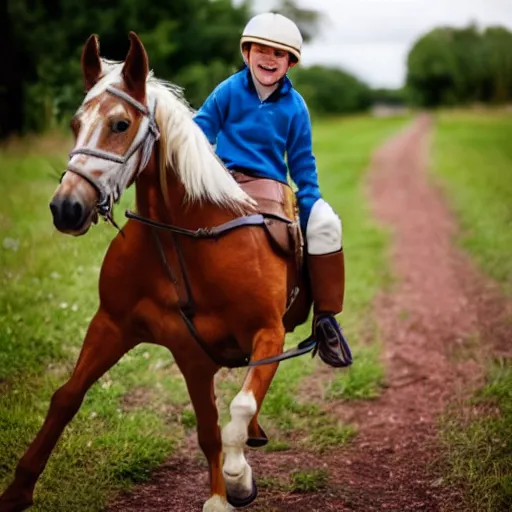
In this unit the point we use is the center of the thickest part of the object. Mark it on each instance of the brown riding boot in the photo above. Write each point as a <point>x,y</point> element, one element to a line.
<point>327,278</point>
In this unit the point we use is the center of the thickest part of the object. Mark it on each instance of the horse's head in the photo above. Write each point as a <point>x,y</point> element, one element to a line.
<point>114,133</point>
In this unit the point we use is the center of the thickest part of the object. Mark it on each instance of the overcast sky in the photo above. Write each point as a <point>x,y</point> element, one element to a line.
<point>371,38</point>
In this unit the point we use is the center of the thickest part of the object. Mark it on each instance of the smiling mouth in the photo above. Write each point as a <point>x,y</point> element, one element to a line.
<point>267,68</point>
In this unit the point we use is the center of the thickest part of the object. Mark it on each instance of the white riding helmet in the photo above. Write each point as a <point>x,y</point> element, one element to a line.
<point>273,30</point>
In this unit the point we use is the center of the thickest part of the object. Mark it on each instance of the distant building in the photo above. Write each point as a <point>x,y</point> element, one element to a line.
<point>389,110</point>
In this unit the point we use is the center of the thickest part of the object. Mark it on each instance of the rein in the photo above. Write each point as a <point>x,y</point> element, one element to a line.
<point>187,309</point>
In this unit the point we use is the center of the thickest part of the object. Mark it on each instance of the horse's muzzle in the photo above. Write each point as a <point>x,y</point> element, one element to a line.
<point>70,215</point>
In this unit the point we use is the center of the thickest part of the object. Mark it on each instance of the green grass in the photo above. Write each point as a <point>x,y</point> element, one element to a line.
<point>309,481</point>
<point>134,417</point>
<point>364,380</point>
<point>478,442</point>
<point>298,482</point>
<point>473,162</point>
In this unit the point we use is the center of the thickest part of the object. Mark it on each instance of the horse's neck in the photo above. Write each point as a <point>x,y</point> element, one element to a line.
<point>177,210</point>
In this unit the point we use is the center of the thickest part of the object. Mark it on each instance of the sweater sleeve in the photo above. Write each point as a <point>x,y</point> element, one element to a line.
<point>210,117</point>
<point>302,163</point>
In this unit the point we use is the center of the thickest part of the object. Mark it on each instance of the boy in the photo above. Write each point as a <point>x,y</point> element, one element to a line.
<point>256,116</point>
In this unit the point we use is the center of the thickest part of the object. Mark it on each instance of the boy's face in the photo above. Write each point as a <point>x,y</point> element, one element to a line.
<point>268,65</point>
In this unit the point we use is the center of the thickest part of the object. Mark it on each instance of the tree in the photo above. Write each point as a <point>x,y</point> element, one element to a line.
<point>449,66</point>
<point>11,78</point>
<point>430,69</point>
<point>331,91</point>
<point>497,59</point>
<point>180,38</point>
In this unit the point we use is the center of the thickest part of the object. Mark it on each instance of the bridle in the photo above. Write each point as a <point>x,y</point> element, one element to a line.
<point>110,190</point>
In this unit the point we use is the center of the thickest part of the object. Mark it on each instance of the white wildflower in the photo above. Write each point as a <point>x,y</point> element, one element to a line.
<point>11,244</point>
<point>159,364</point>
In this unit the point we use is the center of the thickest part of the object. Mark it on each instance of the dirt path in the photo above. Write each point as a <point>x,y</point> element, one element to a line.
<point>433,323</point>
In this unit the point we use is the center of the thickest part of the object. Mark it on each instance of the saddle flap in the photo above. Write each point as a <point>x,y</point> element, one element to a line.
<point>280,236</point>
<point>277,201</point>
<point>278,204</point>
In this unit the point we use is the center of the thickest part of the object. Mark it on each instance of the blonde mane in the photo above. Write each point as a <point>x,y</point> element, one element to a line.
<point>184,147</point>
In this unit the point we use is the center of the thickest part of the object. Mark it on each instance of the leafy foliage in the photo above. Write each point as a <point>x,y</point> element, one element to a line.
<point>194,43</point>
<point>179,37</point>
<point>331,90</point>
<point>450,66</point>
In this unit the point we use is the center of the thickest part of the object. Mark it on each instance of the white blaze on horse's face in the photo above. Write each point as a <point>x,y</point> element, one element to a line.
<point>114,135</point>
<point>105,127</point>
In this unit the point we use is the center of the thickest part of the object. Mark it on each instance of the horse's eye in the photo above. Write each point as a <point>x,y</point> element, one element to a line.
<point>120,126</point>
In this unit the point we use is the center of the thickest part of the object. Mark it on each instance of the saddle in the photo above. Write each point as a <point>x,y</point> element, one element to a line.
<point>277,203</point>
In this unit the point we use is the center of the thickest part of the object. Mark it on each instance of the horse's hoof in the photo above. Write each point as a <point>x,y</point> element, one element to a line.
<point>243,502</point>
<point>259,440</point>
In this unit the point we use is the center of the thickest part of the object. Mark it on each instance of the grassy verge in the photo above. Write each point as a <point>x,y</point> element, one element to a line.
<point>478,439</point>
<point>137,414</point>
<point>473,161</point>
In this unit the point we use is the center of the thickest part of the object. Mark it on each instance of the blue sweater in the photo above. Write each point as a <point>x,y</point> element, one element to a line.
<point>255,135</point>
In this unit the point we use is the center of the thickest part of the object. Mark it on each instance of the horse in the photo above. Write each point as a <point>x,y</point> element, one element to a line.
<point>209,265</point>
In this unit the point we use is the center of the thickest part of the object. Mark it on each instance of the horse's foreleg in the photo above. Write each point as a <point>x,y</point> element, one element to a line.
<point>200,384</point>
<point>246,404</point>
<point>103,346</point>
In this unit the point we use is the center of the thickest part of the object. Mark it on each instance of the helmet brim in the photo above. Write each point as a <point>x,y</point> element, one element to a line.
<point>269,42</point>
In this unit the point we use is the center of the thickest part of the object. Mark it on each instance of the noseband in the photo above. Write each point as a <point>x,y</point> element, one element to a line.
<point>108,188</point>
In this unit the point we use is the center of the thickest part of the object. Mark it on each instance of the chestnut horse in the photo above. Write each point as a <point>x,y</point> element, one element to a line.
<point>212,287</point>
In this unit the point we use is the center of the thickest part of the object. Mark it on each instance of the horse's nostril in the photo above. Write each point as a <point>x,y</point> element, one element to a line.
<point>71,212</point>
<point>68,213</point>
<point>76,212</point>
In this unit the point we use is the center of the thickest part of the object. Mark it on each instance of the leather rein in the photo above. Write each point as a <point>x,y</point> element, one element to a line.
<point>187,306</point>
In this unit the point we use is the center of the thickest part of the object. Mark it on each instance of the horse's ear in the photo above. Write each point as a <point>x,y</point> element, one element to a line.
<point>136,68</point>
<point>91,63</point>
